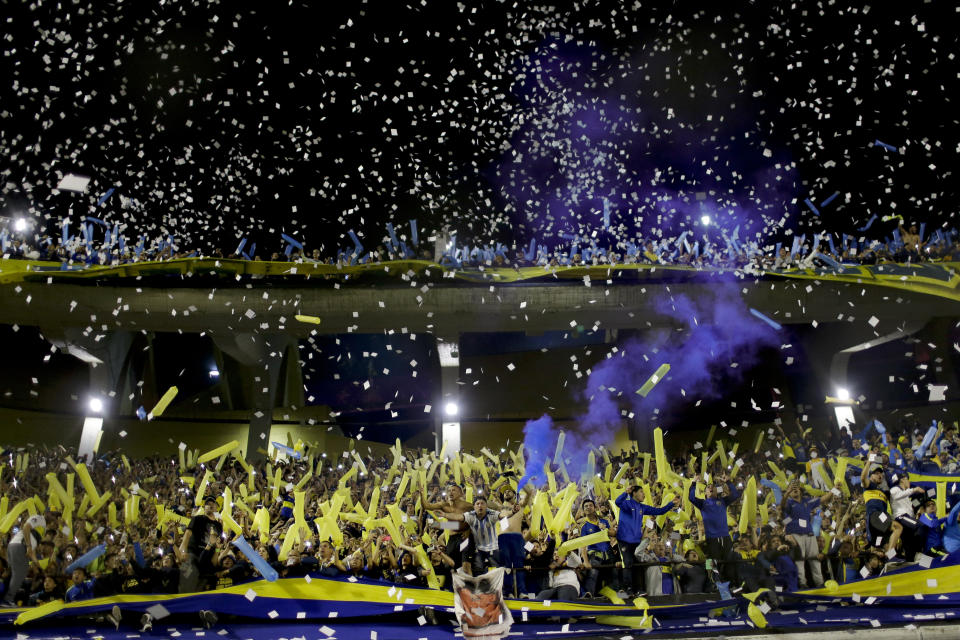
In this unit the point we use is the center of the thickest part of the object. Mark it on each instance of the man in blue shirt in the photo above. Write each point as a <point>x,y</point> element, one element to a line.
<point>713,512</point>
<point>797,514</point>
<point>630,526</point>
<point>600,555</point>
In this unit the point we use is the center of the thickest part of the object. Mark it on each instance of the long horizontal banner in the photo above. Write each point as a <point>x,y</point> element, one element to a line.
<point>939,279</point>
<point>936,582</point>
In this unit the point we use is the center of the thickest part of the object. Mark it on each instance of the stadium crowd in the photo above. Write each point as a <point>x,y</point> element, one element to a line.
<point>908,245</point>
<point>829,506</point>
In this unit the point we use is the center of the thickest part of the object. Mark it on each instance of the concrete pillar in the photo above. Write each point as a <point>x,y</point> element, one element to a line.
<point>446,408</point>
<point>263,358</point>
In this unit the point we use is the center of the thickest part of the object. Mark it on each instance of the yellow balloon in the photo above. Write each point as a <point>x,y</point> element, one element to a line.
<point>831,586</point>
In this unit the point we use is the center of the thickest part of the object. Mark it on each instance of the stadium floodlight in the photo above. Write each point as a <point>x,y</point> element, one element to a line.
<point>20,225</point>
<point>451,409</point>
<point>843,394</point>
<point>95,404</point>
<point>705,221</point>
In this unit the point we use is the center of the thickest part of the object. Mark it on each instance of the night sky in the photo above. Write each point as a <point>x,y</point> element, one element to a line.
<point>216,121</point>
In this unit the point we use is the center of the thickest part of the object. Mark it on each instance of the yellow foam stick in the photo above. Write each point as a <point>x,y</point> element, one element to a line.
<point>163,403</point>
<point>759,442</point>
<point>307,319</point>
<point>219,451</point>
<point>226,514</point>
<point>348,476</point>
<point>70,487</point>
<point>614,509</point>
<point>4,506</point>
<point>112,515</point>
<point>611,595</point>
<point>87,481</point>
<point>756,616</point>
<point>941,499</point>
<point>536,514</point>
<point>238,456</point>
<point>277,483</point>
<point>667,498</point>
<point>713,430</point>
<point>583,541</point>
<point>664,473</point>
<point>135,508</point>
<point>748,510</point>
<point>14,513</point>
<point>202,489</point>
<point>84,503</point>
<point>840,477</point>
<point>161,513</point>
<point>57,489</point>
<point>722,452</point>
<point>429,474</point>
<point>652,381</point>
<point>780,478</point>
<point>251,474</point>
<point>183,464</point>
<point>356,457</point>
<point>96,505</point>
<point>40,611</point>
<point>432,580</point>
<point>764,513</point>
<point>620,473</point>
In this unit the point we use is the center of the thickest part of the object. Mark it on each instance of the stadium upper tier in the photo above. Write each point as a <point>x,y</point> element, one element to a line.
<point>417,296</point>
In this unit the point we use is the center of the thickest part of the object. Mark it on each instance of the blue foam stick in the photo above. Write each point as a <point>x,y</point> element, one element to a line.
<point>833,264</point>
<point>292,242</point>
<point>777,493</point>
<point>833,249</point>
<point>287,450</point>
<point>104,197</point>
<point>923,226</point>
<point>888,147</point>
<point>796,245</point>
<point>770,322</point>
<point>830,199</point>
<point>239,250</point>
<point>531,252</point>
<point>606,213</point>
<point>258,562</point>
<point>356,242</point>
<point>393,235</point>
<point>869,222</point>
<point>85,560</point>
<point>896,238</point>
<point>102,223</point>
<point>413,233</point>
<point>817,523</point>
<point>66,229</point>
<point>812,208</point>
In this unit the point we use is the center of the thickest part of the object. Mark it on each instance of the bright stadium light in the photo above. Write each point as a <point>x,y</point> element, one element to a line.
<point>214,373</point>
<point>20,225</point>
<point>95,404</point>
<point>843,394</point>
<point>451,409</point>
<point>705,221</point>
